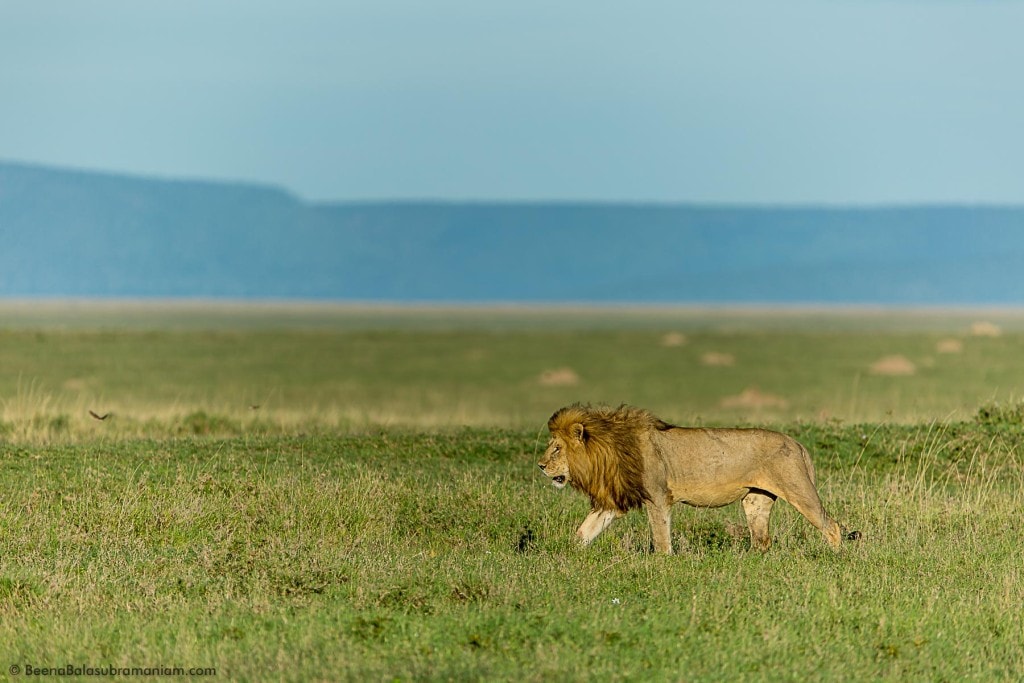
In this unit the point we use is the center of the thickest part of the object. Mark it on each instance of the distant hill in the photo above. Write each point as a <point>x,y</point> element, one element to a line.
<point>82,234</point>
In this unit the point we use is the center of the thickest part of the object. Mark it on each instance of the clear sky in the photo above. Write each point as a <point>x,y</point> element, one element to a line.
<point>782,101</point>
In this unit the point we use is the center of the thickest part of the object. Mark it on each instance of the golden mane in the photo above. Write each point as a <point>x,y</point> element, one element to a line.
<point>606,459</point>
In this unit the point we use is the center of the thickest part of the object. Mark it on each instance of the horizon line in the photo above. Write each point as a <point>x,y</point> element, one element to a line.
<point>413,200</point>
<point>506,305</point>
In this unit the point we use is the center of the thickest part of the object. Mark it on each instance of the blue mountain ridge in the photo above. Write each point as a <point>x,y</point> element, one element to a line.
<point>86,234</point>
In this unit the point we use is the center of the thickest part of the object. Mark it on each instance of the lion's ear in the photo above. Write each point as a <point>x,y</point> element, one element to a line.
<point>577,431</point>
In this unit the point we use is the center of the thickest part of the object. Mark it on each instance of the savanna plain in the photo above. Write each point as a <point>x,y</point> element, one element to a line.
<point>316,493</point>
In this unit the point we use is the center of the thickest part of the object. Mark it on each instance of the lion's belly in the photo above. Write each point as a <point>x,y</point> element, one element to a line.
<point>716,467</point>
<point>707,496</point>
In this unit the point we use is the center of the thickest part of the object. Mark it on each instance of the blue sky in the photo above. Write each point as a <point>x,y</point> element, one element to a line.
<point>724,101</point>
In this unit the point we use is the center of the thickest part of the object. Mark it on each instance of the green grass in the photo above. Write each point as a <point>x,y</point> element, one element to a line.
<point>447,556</point>
<point>159,383</point>
<point>379,514</point>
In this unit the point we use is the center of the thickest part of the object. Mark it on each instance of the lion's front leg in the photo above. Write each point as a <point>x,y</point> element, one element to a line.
<point>596,522</point>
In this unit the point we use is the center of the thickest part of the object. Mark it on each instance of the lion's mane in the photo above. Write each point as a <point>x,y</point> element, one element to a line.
<point>607,463</point>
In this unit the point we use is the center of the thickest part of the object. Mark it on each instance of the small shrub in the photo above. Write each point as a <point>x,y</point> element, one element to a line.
<point>995,414</point>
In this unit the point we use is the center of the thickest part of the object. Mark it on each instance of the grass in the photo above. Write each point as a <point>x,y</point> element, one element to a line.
<point>380,516</point>
<point>159,384</point>
<point>445,556</point>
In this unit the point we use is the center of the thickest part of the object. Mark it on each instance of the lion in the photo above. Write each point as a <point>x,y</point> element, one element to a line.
<point>625,458</point>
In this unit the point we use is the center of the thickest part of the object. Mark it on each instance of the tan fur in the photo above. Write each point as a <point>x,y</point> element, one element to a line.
<point>625,458</point>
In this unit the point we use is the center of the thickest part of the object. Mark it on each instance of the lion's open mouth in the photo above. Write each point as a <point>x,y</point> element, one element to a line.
<point>558,481</point>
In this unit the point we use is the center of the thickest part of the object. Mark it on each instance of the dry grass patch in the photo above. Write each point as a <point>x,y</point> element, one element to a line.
<point>983,328</point>
<point>752,397</point>
<point>716,359</point>
<point>559,377</point>
<point>673,339</point>
<point>893,366</point>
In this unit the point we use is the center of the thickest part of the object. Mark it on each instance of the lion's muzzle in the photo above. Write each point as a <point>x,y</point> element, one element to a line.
<point>557,480</point>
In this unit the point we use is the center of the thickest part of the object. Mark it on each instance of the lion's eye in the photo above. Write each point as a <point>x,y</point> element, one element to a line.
<point>556,449</point>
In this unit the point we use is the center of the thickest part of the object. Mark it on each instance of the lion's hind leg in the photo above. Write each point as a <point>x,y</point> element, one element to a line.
<point>799,489</point>
<point>757,506</point>
<point>808,504</point>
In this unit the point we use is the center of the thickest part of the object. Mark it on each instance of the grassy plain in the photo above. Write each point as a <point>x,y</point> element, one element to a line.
<point>171,370</point>
<point>379,515</point>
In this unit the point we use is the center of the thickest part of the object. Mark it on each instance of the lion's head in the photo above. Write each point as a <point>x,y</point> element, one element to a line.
<point>599,452</point>
<point>555,463</point>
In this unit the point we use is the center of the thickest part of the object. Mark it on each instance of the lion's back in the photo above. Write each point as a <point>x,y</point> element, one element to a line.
<point>707,442</point>
<point>723,455</point>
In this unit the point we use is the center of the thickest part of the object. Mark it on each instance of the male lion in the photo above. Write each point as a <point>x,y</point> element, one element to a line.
<point>625,458</point>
